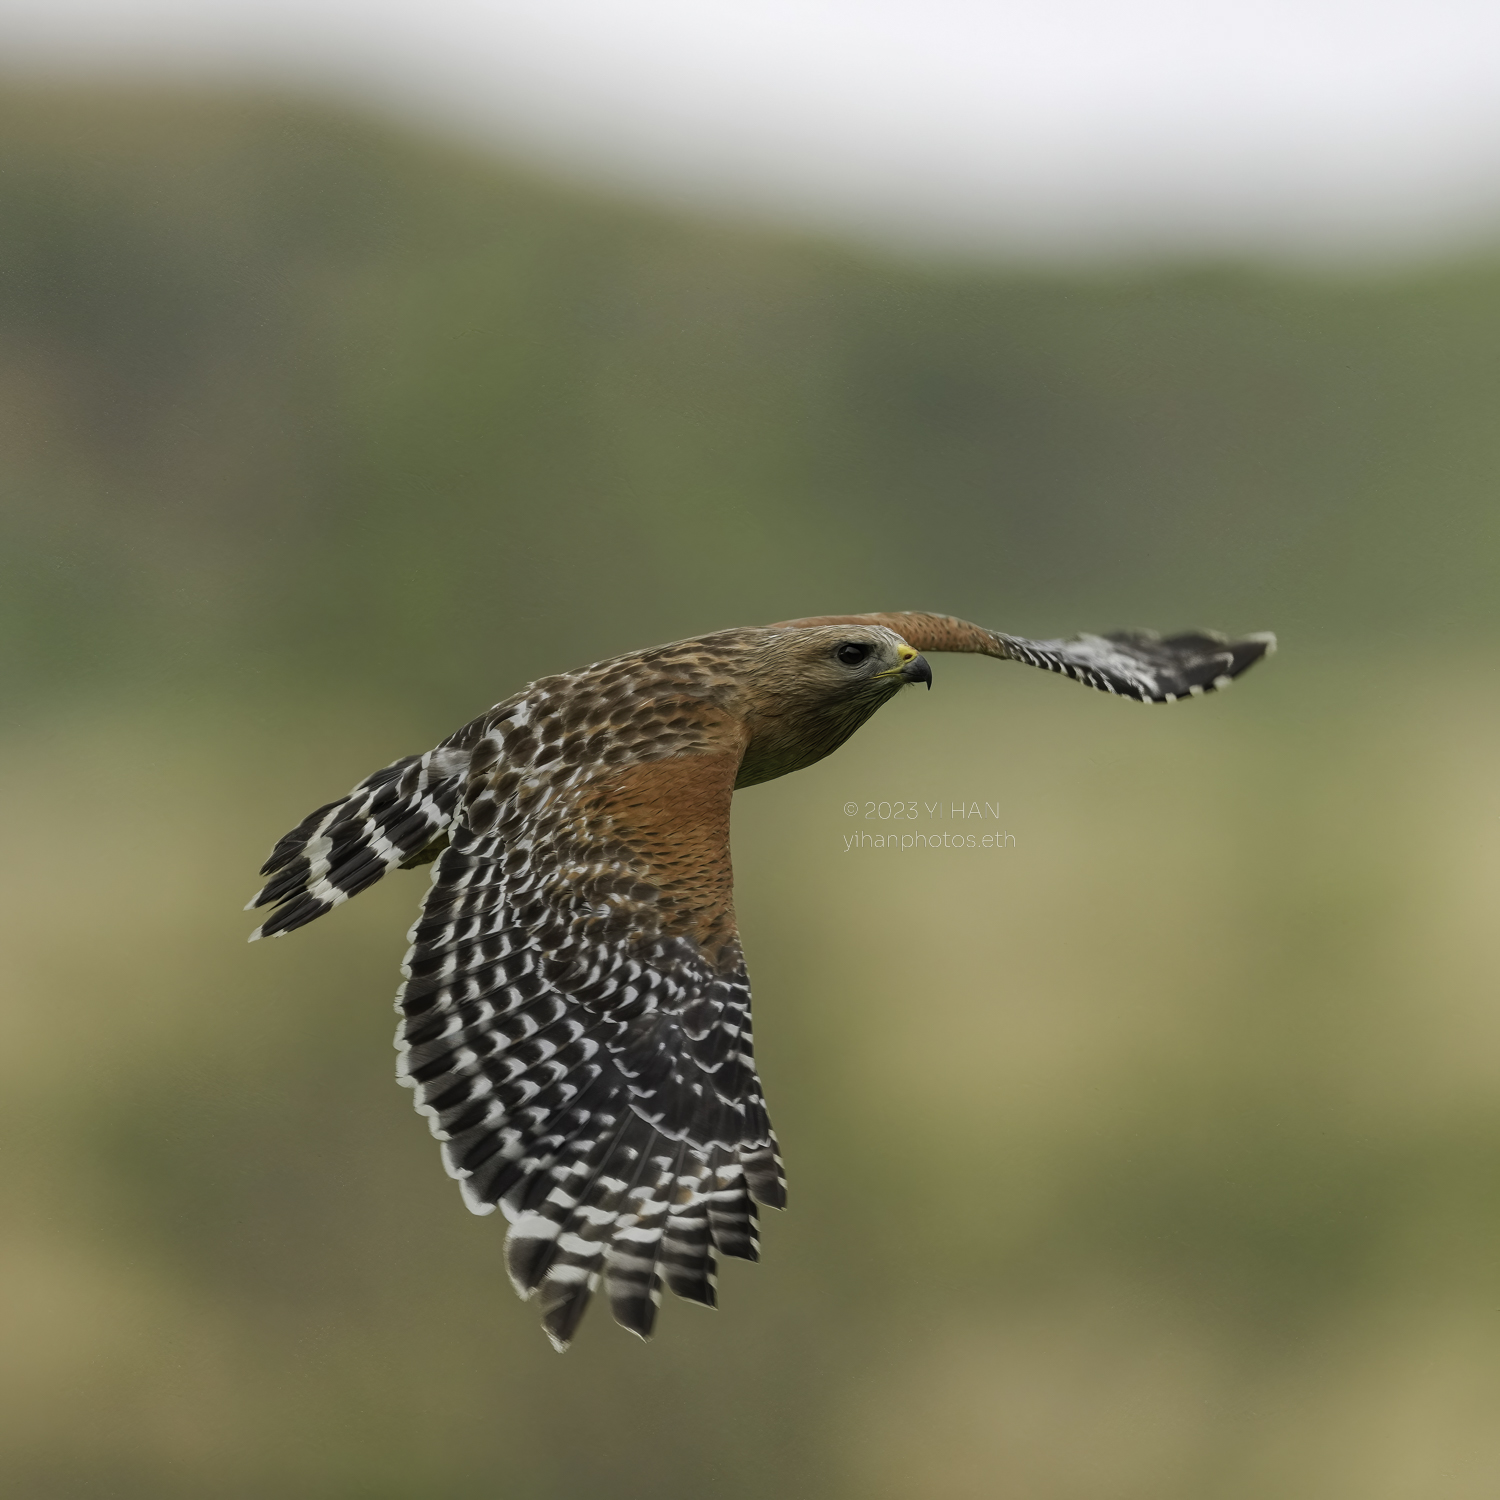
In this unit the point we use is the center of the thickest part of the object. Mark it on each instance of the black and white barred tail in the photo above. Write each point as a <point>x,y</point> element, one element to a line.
<point>393,817</point>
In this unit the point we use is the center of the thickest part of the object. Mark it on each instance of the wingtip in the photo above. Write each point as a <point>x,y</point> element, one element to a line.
<point>1267,638</point>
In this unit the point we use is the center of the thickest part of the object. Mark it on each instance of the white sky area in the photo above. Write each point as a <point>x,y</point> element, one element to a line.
<point>1073,128</point>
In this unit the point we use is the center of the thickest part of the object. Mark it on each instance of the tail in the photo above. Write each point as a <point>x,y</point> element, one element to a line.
<point>395,817</point>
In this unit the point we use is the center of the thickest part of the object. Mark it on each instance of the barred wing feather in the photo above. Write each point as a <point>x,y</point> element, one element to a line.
<point>587,1065</point>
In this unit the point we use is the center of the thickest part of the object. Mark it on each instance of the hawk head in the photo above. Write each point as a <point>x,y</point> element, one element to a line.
<point>810,689</point>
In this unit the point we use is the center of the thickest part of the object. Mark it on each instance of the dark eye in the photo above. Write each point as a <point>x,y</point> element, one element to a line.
<point>851,653</point>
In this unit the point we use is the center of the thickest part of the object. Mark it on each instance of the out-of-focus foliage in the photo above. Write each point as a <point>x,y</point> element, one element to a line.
<point>288,392</point>
<point>1155,1157</point>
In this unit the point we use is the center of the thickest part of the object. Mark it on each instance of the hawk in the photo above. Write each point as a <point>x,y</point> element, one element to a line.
<point>575,1017</point>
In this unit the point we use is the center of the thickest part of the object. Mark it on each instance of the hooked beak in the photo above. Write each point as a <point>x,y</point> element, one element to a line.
<point>913,667</point>
<point>917,670</point>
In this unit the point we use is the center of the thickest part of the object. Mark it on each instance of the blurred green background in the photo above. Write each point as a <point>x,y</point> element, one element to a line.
<point>1156,1157</point>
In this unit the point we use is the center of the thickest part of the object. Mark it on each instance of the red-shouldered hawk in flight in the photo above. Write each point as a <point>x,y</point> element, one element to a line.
<point>575,1021</point>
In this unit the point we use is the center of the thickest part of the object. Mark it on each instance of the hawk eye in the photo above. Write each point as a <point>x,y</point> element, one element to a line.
<point>851,653</point>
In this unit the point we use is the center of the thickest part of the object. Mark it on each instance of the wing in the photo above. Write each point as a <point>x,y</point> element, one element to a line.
<point>391,818</point>
<point>1139,664</point>
<point>576,1017</point>
<point>1132,663</point>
